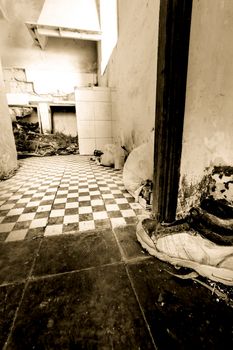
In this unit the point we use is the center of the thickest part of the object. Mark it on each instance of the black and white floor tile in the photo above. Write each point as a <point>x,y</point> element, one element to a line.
<point>63,194</point>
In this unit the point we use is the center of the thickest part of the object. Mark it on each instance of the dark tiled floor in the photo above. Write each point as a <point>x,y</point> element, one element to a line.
<point>9,300</point>
<point>91,309</point>
<point>16,260</point>
<point>99,290</point>
<point>181,313</point>
<point>76,252</point>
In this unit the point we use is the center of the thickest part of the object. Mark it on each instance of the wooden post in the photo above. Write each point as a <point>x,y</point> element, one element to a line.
<point>173,49</point>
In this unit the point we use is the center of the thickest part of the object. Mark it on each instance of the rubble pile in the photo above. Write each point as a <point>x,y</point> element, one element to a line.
<point>29,141</point>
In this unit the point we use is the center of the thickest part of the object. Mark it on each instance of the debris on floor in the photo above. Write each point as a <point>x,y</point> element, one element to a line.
<point>20,112</point>
<point>215,288</point>
<point>96,156</point>
<point>146,195</point>
<point>111,155</point>
<point>98,153</point>
<point>29,142</point>
<point>211,265</point>
<point>137,168</point>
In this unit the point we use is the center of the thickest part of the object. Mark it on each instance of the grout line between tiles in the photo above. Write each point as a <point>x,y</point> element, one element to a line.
<point>119,246</point>
<point>58,186</point>
<point>140,306</point>
<point>137,259</point>
<point>126,261</point>
<point>123,256</point>
<point>27,280</point>
<point>38,278</point>
<point>12,284</point>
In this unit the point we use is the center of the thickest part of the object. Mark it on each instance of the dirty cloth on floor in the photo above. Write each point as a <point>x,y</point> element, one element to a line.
<point>182,246</point>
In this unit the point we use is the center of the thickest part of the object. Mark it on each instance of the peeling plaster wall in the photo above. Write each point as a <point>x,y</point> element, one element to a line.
<point>60,56</point>
<point>208,125</point>
<point>8,157</point>
<point>132,70</point>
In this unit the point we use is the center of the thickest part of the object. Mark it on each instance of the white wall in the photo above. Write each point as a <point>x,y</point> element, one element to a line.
<point>208,127</point>
<point>132,70</point>
<point>109,30</point>
<point>8,157</point>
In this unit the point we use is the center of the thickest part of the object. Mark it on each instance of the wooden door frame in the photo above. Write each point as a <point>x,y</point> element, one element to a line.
<point>172,64</point>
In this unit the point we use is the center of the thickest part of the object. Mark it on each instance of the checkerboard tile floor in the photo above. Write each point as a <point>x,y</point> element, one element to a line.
<point>63,194</point>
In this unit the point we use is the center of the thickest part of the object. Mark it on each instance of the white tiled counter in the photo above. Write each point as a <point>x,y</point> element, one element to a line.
<point>94,118</point>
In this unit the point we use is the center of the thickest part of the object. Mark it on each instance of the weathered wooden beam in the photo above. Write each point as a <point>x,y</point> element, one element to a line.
<point>172,63</point>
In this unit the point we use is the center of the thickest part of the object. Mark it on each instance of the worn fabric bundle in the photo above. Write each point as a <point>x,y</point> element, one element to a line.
<point>139,167</point>
<point>182,246</point>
